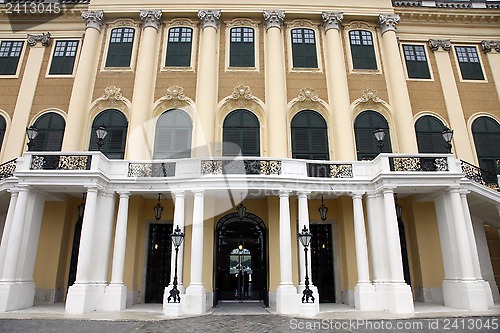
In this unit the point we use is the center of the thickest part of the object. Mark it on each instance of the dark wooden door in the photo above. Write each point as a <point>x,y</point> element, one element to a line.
<point>322,262</point>
<point>158,269</point>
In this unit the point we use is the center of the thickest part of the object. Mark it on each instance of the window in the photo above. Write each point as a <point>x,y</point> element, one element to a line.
<point>362,49</point>
<point>416,62</point>
<point>486,133</point>
<point>468,59</point>
<point>10,52</point>
<point>241,133</point>
<point>242,50</point>
<point>64,56</point>
<point>366,144</point>
<point>3,128</point>
<point>50,132</point>
<point>304,48</point>
<point>309,136</point>
<point>173,135</point>
<point>120,47</point>
<point>179,47</point>
<point>429,131</point>
<point>114,142</point>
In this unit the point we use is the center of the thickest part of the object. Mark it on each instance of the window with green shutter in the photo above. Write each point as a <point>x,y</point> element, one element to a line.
<point>241,133</point>
<point>3,128</point>
<point>309,136</point>
<point>50,132</point>
<point>468,59</point>
<point>429,130</point>
<point>64,57</point>
<point>120,47</point>
<point>116,125</point>
<point>242,48</point>
<point>10,52</point>
<point>362,49</point>
<point>179,46</point>
<point>486,133</point>
<point>416,62</point>
<point>304,48</point>
<point>366,143</point>
<point>173,135</point>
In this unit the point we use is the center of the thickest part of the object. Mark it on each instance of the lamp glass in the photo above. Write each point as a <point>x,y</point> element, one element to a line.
<point>447,134</point>
<point>305,237</point>
<point>177,237</point>
<point>101,132</point>
<point>32,132</point>
<point>379,134</point>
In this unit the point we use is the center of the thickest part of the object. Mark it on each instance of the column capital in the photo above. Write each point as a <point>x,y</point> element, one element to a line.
<point>358,194</point>
<point>209,18</point>
<point>388,22</point>
<point>198,192</point>
<point>455,189</point>
<point>93,19</point>
<point>43,39</point>
<point>14,191</point>
<point>463,192</point>
<point>388,189</point>
<point>285,193</point>
<point>179,193</point>
<point>443,44</point>
<point>303,194</point>
<point>274,18</point>
<point>332,20</point>
<point>488,46</point>
<point>123,194</point>
<point>150,18</point>
<point>94,188</point>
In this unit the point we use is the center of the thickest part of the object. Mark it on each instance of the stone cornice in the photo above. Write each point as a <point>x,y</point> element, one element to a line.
<point>332,20</point>
<point>448,4</point>
<point>93,19</point>
<point>44,39</point>
<point>388,22</point>
<point>209,18</point>
<point>436,44</point>
<point>273,18</point>
<point>488,46</point>
<point>151,18</point>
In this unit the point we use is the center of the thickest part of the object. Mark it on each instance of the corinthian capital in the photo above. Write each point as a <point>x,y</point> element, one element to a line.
<point>388,22</point>
<point>44,39</point>
<point>487,46</point>
<point>332,20</point>
<point>436,44</point>
<point>209,18</point>
<point>274,18</point>
<point>151,18</point>
<point>93,19</point>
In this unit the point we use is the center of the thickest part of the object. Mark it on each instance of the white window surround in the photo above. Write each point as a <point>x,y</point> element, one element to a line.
<point>457,64</point>
<point>243,23</point>
<point>179,23</point>
<point>121,23</point>
<point>306,24</point>
<point>358,25</point>
<point>77,56</point>
<point>403,59</point>
<point>21,56</point>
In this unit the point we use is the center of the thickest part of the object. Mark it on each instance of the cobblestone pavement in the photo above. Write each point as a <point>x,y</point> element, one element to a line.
<point>250,323</point>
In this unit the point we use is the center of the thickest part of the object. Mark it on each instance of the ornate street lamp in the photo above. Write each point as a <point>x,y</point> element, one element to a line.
<point>81,207</point>
<point>32,133</point>
<point>177,237</point>
<point>241,210</point>
<point>305,239</point>
<point>379,135</point>
<point>101,133</point>
<point>322,210</point>
<point>447,136</point>
<point>158,209</point>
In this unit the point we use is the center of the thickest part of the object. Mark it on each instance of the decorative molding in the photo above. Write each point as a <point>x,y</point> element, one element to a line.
<point>388,22</point>
<point>301,24</point>
<point>180,22</point>
<point>359,25</point>
<point>488,46</point>
<point>44,39</point>
<point>112,95</point>
<point>93,19</point>
<point>242,22</point>
<point>332,20</point>
<point>241,94</point>
<point>151,18</point>
<point>123,23</point>
<point>274,18</point>
<point>369,97</point>
<point>209,18</point>
<point>175,92</point>
<point>436,44</point>
<point>308,95</point>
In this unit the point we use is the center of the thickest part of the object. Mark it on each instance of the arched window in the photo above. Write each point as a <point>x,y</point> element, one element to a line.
<point>50,132</point>
<point>173,135</point>
<point>3,128</point>
<point>309,136</point>
<point>429,131</point>
<point>366,143</point>
<point>486,133</point>
<point>241,132</point>
<point>116,125</point>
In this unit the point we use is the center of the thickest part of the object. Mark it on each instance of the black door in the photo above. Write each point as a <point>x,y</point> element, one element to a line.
<point>404,252</point>
<point>74,252</point>
<point>322,262</point>
<point>158,272</point>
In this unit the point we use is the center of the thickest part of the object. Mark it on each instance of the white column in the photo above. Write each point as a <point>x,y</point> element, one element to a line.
<point>470,234</point>
<point>102,238</point>
<point>303,222</point>
<point>377,236</point>
<point>8,226</point>
<point>492,50</point>
<point>179,214</point>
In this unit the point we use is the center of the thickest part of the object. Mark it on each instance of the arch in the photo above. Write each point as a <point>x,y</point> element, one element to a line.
<point>366,144</point>
<point>309,136</point>
<point>241,134</point>
<point>486,135</point>
<point>429,131</point>
<point>117,125</point>
<point>173,135</point>
<point>51,126</point>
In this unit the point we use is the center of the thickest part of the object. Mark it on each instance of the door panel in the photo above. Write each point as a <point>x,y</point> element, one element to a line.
<point>322,262</point>
<point>158,271</point>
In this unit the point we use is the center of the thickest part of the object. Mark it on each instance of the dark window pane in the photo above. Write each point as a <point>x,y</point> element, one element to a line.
<point>63,58</point>
<point>120,47</point>
<point>173,135</point>
<point>366,144</point>
<point>116,125</point>
<point>241,132</point>
<point>470,66</point>
<point>416,62</point>
<point>10,52</point>
<point>486,133</point>
<point>309,136</point>
<point>362,50</point>
<point>179,47</point>
<point>3,128</point>
<point>429,131</point>
<point>304,48</point>
<point>50,132</point>
<point>242,49</point>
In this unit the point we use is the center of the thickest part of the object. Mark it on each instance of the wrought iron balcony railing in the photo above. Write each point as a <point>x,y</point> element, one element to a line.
<point>151,169</point>
<point>479,175</point>
<point>7,169</point>
<point>329,170</point>
<point>60,162</point>
<point>418,163</point>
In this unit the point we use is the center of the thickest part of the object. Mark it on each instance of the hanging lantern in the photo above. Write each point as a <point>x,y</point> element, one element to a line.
<point>158,209</point>
<point>322,210</point>
<point>241,210</point>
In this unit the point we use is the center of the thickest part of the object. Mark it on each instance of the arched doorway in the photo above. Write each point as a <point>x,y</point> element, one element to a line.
<point>241,259</point>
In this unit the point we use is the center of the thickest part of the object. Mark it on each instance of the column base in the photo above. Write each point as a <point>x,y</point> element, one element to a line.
<point>172,309</point>
<point>16,295</point>
<point>366,298</point>
<point>287,299</point>
<point>397,297</point>
<point>468,295</point>
<point>195,300</point>
<point>83,298</point>
<point>115,297</point>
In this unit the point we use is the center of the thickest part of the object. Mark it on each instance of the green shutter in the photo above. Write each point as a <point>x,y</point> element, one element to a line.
<point>309,136</point>
<point>241,132</point>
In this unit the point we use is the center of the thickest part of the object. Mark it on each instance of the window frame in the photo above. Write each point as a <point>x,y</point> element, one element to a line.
<point>179,23</point>
<point>388,145</point>
<point>459,70</point>
<point>131,24</point>
<point>92,133</point>
<point>258,128</point>
<point>357,25</point>
<point>242,23</point>
<point>77,57</point>
<point>48,114</point>
<point>20,61</point>
<point>426,115</point>
<point>187,116</point>
<point>304,24</point>
<point>473,137</point>
<point>403,59</point>
<point>303,112</point>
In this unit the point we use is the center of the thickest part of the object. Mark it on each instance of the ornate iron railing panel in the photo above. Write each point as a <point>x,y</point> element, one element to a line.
<point>418,163</point>
<point>479,175</point>
<point>324,170</point>
<point>241,167</point>
<point>60,162</point>
<point>7,169</point>
<point>151,169</point>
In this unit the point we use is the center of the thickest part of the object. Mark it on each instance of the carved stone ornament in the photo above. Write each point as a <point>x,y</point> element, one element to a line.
<point>332,20</point>
<point>435,44</point>
<point>151,18</point>
<point>274,18</point>
<point>388,22</point>
<point>369,97</point>
<point>44,39</point>
<point>307,94</point>
<point>93,19</point>
<point>490,45</point>
<point>113,95</point>
<point>175,92</point>
<point>241,94</point>
<point>209,18</point>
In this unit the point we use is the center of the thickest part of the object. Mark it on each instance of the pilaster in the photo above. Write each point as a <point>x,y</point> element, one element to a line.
<point>492,50</point>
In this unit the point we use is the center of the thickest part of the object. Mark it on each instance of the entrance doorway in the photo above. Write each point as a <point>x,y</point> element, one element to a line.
<point>158,269</point>
<point>322,262</point>
<point>241,259</point>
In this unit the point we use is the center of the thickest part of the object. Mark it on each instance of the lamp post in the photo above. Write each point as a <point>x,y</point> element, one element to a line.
<point>81,207</point>
<point>101,133</point>
<point>447,136</point>
<point>379,135</point>
<point>32,133</point>
<point>177,237</point>
<point>305,239</point>
<point>158,209</point>
<point>322,210</point>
